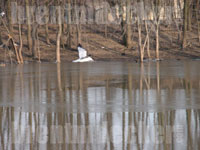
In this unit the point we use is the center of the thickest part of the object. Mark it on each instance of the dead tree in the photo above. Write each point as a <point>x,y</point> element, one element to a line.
<point>34,31</point>
<point>176,19</point>
<point>38,47</point>
<point>189,16</point>
<point>1,42</point>
<point>21,44</point>
<point>28,21</point>
<point>128,24</point>
<point>147,26</point>
<point>9,17</point>
<point>185,23</point>
<point>148,39</point>
<point>78,24</point>
<point>105,17</point>
<point>63,26</point>
<point>34,39</point>
<point>11,40</point>
<point>58,35</point>
<point>123,22</point>
<point>46,25</point>
<point>69,34</point>
<point>197,18</point>
<point>139,26</point>
<point>140,17</point>
<point>156,7</point>
<point>140,47</point>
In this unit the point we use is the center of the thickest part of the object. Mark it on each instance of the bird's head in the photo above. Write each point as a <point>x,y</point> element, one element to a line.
<point>79,45</point>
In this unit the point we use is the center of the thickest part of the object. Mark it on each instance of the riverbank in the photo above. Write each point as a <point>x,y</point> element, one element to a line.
<point>101,48</point>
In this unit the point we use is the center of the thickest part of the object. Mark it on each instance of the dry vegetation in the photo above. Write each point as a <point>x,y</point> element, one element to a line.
<point>147,38</point>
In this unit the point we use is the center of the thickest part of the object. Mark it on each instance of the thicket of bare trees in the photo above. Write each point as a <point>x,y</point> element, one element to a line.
<point>142,16</point>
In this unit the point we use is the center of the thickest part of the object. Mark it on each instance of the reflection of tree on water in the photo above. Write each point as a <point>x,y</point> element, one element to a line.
<point>76,88</point>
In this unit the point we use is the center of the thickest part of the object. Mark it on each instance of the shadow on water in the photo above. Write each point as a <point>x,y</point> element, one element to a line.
<point>101,105</point>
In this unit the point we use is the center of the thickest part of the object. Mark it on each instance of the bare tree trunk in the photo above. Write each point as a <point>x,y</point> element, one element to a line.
<point>94,12</point>
<point>29,39</point>
<point>157,22</point>
<point>106,31</point>
<point>21,44</point>
<point>47,27</point>
<point>185,26</point>
<point>11,40</point>
<point>157,42</point>
<point>148,40</point>
<point>189,17</point>
<point>47,33</point>
<point>69,36</point>
<point>16,51</point>
<point>34,31</point>
<point>38,47</point>
<point>128,24</point>
<point>105,16</point>
<point>141,52</point>
<point>179,30</point>
<point>34,39</point>
<point>63,26</point>
<point>141,46</point>
<point>197,18</point>
<point>59,35</point>
<point>123,22</point>
<point>1,42</point>
<point>10,27</point>
<point>78,26</point>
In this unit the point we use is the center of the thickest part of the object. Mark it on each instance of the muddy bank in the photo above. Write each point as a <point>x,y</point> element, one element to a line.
<point>101,48</point>
<point>68,55</point>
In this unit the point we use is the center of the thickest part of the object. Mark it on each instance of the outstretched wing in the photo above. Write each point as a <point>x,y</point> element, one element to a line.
<point>82,53</point>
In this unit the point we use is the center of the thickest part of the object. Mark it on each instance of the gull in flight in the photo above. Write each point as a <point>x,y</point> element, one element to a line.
<point>2,14</point>
<point>82,53</point>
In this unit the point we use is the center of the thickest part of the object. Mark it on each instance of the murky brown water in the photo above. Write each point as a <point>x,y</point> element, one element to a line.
<point>100,106</point>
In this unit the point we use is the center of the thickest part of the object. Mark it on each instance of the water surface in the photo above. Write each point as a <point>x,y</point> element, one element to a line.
<point>100,105</point>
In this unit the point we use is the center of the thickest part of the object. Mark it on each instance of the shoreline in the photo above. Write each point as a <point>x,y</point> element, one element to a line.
<point>3,64</point>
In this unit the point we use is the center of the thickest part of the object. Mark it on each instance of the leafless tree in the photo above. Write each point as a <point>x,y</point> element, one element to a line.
<point>28,21</point>
<point>58,35</point>
<point>185,23</point>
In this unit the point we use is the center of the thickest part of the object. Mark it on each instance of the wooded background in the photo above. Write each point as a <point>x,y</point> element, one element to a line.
<point>70,19</point>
